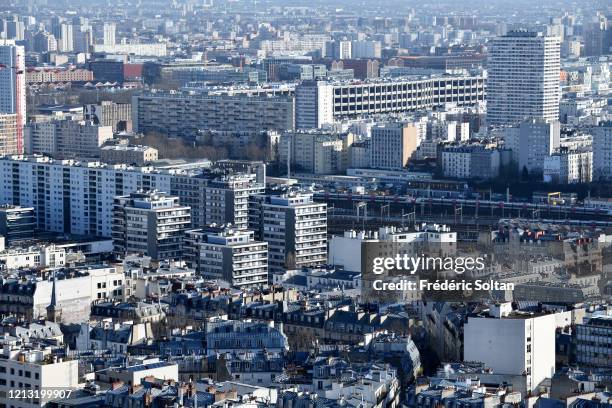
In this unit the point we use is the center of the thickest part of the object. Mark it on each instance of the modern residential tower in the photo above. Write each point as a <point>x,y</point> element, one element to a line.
<point>13,85</point>
<point>523,78</point>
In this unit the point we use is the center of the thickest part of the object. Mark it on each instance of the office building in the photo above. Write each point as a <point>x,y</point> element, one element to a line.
<point>293,225</point>
<point>13,86</point>
<point>511,342</point>
<point>392,145</point>
<point>228,254</point>
<point>16,223</point>
<point>592,342</point>
<point>150,223</point>
<point>362,68</point>
<point>318,103</point>
<point>596,33</point>
<point>338,49</point>
<point>107,70</point>
<point>523,78</point>
<point>187,114</point>
<point>44,42</point>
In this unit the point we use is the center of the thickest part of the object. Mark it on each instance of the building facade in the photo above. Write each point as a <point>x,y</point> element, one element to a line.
<point>152,224</point>
<point>66,138</point>
<point>136,155</point>
<point>13,86</point>
<point>392,145</point>
<point>523,78</point>
<point>537,139</point>
<point>511,343</point>
<point>76,197</point>
<point>602,151</point>
<point>294,226</point>
<point>320,102</point>
<point>187,114</point>
<point>228,254</point>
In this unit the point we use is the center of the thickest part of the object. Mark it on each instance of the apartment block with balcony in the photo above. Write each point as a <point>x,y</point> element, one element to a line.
<point>228,254</point>
<point>295,227</point>
<point>150,223</point>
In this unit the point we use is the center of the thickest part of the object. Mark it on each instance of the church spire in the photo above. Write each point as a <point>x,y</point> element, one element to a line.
<point>53,313</point>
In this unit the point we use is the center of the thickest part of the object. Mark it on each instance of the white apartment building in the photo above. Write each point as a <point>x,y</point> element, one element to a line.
<point>71,290</point>
<point>569,166</point>
<point>294,226</point>
<point>348,250</point>
<point>513,343</point>
<point>65,137</point>
<point>538,139</point>
<point>227,199</point>
<point>109,31</point>
<point>294,43</point>
<point>456,163</point>
<point>65,41</point>
<point>315,151</point>
<point>150,223</point>
<point>107,282</point>
<point>471,162</point>
<point>77,197</point>
<point>70,196</point>
<point>602,151</point>
<point>392,145</point>
<point>36,369</point>
<point>134,374</point>
<point>13,85</point>
<point>523,78</point>
<point>42,256</point>
<point>319,103</point>
<point>140,49</point>
<point>228,254</point>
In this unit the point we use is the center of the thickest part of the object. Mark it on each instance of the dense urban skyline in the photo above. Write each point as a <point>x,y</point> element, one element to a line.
<point>291,204</point>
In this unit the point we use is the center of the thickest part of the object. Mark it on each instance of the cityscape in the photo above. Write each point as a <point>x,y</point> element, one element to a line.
<point>305,204</point>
